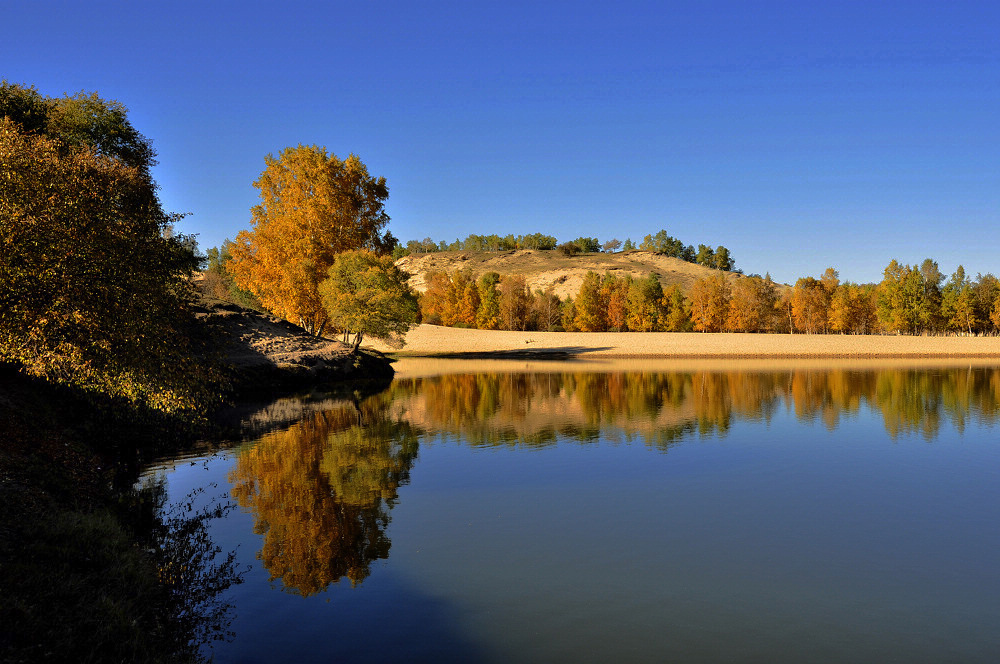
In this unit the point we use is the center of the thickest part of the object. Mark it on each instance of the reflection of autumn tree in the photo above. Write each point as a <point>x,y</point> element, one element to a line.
<point>662,408</point>
<point>321,491</point>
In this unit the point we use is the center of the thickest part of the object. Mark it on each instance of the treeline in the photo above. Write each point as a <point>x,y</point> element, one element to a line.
<point>660,243</point>
<point>911,299</point>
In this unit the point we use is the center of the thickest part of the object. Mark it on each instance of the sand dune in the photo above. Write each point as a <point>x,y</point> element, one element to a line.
<point>433,340</point>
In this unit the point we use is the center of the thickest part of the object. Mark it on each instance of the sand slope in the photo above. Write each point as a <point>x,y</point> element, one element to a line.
<point>564,274</point>
<point>433,340</point>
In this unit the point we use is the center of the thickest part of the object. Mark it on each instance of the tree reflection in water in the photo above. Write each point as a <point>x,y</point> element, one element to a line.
<point>321,491</point>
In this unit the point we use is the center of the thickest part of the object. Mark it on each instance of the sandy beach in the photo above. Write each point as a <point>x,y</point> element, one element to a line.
<point>433,340</point>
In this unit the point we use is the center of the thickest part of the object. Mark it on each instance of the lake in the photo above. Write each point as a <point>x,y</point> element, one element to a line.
<point>591,512</point>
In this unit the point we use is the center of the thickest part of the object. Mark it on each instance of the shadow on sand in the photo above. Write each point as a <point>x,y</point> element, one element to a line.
<point>558,353</point>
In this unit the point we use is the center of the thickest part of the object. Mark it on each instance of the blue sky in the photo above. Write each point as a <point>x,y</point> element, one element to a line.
<point>800,135</point>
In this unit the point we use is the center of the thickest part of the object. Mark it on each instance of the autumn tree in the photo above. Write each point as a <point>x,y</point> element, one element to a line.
<point>468,302</point>
<point>547,309</point>
<point>591,306</point>
<point>810,305</point>
<point>514,303</point>
<point>368,295</point>
<point>313,206</point>
<point>614,291</point>
<point>91,292</point>
<point>219,281</point>
<point>434,300</point>
<point>751,307</point>
<point>852,309</point>
<point>710,303</point>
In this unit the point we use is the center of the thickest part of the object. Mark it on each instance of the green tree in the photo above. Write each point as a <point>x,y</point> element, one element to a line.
<point>705,256</point>
<point>645,305</point>
<point>368,295</point>
<point>488,315</point>
<point>722,260</point>
<point>313,206</point>
<point>588,244</point>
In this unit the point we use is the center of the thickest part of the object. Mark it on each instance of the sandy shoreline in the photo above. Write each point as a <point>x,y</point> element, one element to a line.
<point>436,341</point>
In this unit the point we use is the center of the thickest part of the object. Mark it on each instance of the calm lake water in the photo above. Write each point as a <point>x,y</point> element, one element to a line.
<point>591,513</point>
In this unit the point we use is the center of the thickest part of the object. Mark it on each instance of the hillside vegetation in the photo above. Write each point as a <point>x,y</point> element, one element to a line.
<point>542,269</point>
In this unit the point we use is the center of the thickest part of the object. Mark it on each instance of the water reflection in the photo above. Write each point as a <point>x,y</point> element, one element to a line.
<point>660,408</point>
<point>321,490</point>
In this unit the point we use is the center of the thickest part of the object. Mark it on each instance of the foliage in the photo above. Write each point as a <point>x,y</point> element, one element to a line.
<point>313,206</point>
<point>219,280</point>
<point>591,305</point>
<point>488,315</point>
<point>368,295</point>
<point>751,307</point>
<point>710,303</point>
<point>91,292</point>
<point>514,303</point>
<point>569,248</point>
<point>611,246</point>
<point>588,244</point>
<point>810,305</point>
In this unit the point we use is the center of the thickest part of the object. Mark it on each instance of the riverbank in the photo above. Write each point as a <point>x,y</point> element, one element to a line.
<point>92,568</point>
<point>437,341</point>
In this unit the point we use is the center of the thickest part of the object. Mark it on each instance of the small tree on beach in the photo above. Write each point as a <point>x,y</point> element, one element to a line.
<point>366,294</point>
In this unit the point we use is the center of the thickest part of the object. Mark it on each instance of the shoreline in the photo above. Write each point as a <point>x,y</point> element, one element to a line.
<point>433,341</point>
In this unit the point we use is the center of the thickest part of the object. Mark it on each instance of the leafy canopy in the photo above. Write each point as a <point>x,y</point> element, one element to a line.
<point>368,295</point>
<point>91,292</point>
<point>313,207</point>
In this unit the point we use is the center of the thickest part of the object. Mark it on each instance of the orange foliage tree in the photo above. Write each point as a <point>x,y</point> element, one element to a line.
<point>710,303</point>
<point>313,206</point>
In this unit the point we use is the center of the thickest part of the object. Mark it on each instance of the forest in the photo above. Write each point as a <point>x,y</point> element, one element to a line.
<point>910,299</point>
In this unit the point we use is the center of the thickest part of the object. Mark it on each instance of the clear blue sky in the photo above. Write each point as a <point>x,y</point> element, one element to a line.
<point>800,135</point>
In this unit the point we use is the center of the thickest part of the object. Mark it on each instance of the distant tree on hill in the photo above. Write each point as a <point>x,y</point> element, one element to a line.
<point>569,248</point>
<point>588,244</point>
<point>611,246</point>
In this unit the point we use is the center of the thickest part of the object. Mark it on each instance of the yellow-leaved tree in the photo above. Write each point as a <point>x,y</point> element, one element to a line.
<point>313,207</point>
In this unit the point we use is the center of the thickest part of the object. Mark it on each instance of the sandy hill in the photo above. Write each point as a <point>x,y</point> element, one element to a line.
<point>542,269</point>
